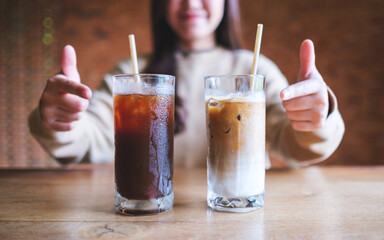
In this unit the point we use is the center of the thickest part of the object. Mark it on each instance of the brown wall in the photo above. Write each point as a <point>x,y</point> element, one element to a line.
<point>348,37</point>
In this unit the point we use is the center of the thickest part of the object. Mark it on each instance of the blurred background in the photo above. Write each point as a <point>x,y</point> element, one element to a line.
<point>348,37</point>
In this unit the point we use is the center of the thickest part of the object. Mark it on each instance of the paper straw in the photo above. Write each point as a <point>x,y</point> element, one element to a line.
<point>256,51</point>
<point>256,54</point>
<point>132,48</point>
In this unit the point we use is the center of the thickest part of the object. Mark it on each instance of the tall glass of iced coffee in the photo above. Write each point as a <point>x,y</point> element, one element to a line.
<point>143,106</point>
<point>235,114</point>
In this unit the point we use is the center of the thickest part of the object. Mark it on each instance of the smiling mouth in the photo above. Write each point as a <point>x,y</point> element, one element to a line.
<point>190,16</point>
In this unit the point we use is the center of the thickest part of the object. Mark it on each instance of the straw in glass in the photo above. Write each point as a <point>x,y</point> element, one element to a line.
<point>132,48</point>
<point>256,54</point>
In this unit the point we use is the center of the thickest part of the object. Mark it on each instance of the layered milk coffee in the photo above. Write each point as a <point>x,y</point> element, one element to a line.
<point>236,136</point>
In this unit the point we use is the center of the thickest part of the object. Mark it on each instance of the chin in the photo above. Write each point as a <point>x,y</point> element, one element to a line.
<point>193,34</point>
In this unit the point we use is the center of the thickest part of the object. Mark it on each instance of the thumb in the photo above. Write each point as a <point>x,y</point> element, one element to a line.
<point>307,61</point>
<point>68,63</point>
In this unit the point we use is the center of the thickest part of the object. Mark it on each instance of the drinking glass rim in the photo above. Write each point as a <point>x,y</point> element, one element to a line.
<point>142,75</point>
<point>234,75</point>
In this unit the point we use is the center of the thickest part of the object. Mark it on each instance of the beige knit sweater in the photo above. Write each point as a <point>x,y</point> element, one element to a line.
<point>92,138</point>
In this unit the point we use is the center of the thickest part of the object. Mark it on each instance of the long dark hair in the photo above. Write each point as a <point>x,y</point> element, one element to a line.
<point>165,43</point>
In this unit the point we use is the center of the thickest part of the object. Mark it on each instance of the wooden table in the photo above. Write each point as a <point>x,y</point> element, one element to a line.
<point>78,203</point>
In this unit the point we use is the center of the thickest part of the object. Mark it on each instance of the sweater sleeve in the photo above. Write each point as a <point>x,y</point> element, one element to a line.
<point>91,140</point>
<point>290,147</point>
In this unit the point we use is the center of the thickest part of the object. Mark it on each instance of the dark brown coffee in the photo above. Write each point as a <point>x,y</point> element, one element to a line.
<point>144,126</point>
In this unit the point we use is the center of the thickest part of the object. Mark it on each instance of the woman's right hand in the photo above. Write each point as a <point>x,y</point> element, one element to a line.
<point>64,98</point>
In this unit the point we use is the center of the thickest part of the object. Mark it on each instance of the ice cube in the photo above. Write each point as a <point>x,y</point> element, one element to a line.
<point>214,103</point>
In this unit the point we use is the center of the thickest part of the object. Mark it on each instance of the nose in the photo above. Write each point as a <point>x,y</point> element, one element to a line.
<point>190,4</point>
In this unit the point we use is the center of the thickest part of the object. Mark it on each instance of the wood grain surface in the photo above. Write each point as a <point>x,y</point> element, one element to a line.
<point>77,203</point>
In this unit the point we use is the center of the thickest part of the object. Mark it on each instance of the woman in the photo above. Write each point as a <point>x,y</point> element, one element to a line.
<point>192,39</point>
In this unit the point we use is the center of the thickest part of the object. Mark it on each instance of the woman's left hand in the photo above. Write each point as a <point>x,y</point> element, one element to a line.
<point>306,102</point>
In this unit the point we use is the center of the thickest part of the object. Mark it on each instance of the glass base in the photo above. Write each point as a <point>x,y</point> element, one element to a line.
<point>236,204</point>
<point>140,207</point>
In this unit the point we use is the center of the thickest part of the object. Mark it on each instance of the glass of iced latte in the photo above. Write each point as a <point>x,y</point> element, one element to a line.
<point>143,106</point>
<point>235,114</point>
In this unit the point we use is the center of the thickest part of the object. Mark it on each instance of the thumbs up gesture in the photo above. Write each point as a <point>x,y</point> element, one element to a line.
<point>306,102</point>
<point>64,97</point>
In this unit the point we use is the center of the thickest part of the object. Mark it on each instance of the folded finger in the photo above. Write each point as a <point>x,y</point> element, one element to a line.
<point>305,115</point>
<point>59,126</point>
<point>64,85</point>
<point>302,126</point>
<point>65,116</point>
<point>302,88</point>
<point>299,104</point>
<point>72,103</point>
